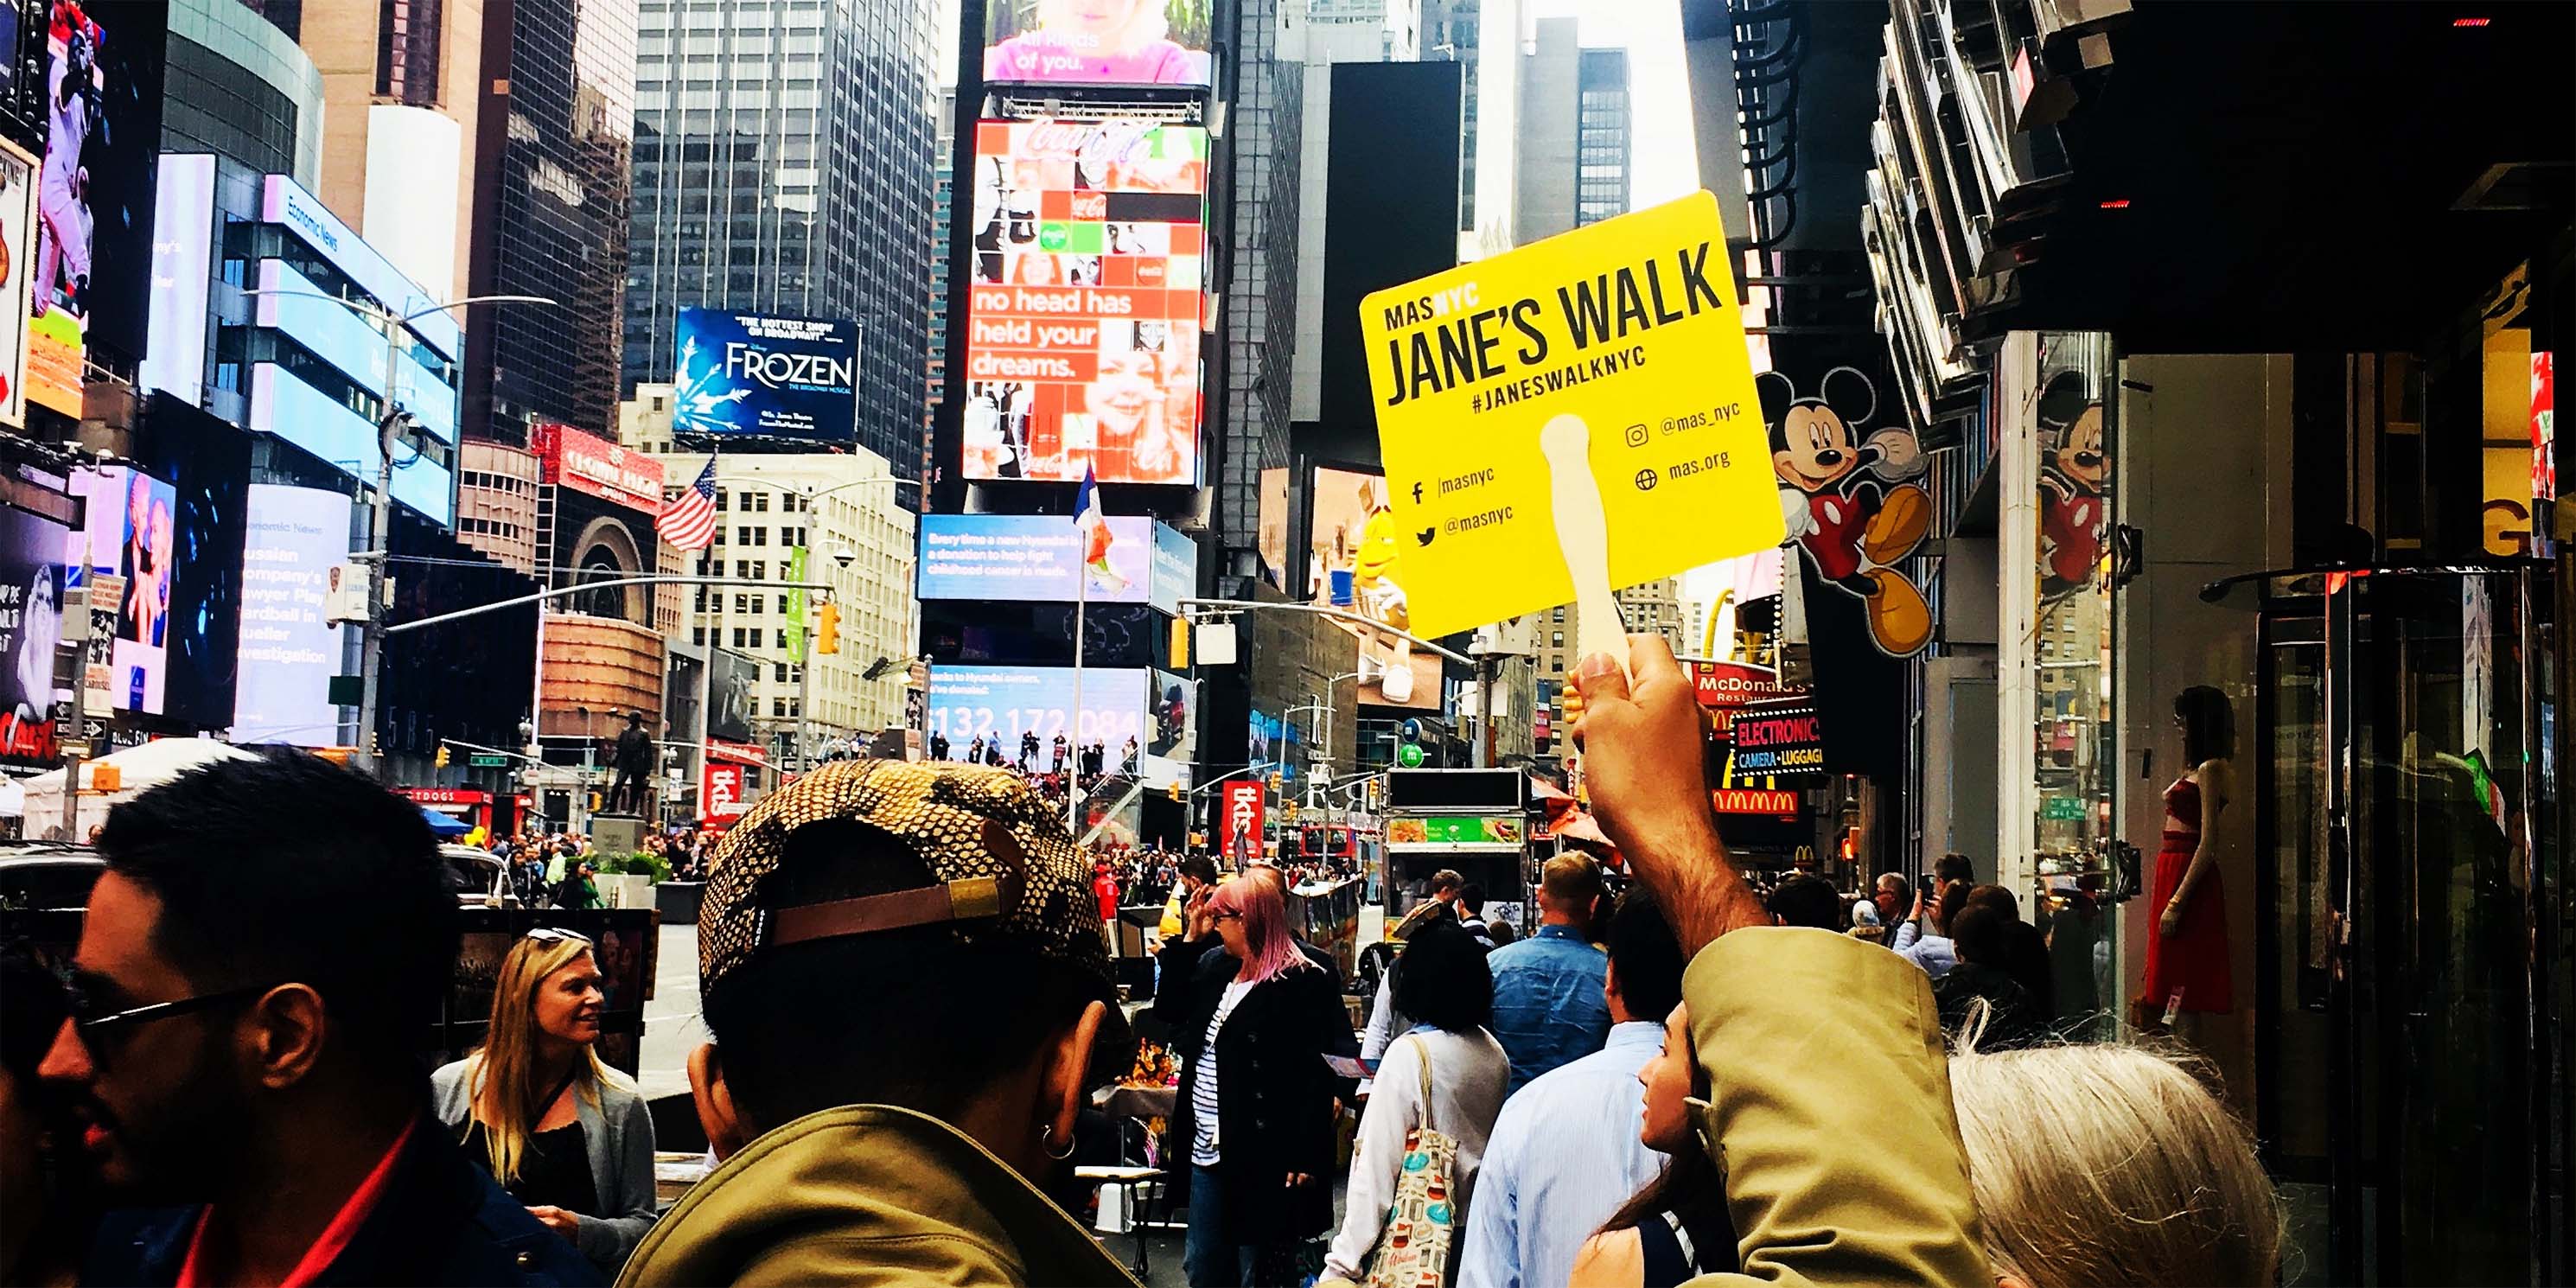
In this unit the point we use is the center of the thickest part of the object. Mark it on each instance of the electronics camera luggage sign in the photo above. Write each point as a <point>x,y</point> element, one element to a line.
<point>1580,412</point>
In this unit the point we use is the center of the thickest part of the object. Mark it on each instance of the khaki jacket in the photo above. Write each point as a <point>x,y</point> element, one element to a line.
<point>863,1195</point>
<point>1830,1112</point>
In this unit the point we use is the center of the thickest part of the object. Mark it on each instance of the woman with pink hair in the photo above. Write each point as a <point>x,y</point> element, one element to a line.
<point>1253,1017</point>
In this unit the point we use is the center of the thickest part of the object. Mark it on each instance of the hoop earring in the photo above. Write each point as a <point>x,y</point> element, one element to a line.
<point>1046,1141</point>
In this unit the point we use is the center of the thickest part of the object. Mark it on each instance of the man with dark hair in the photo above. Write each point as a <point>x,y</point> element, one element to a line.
<point>258,968</point>
<point>1803,900</point>
<point>911,1001</point>
<point>1983,936</point>
<point>2025,955</point>
<point>1548,987</point>
<point>1471,913</point>
<point>1445,887</point>
<point>1951,871</point>
<point>1565,1153</point>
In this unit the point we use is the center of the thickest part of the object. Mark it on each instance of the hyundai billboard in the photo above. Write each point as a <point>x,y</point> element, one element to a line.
<point>757,375</point>
<point>1085,301</point>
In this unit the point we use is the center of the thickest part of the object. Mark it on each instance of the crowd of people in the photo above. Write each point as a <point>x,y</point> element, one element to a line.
<point>910,1002</point>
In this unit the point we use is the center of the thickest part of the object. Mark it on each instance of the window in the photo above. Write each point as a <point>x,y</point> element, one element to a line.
<point>782,641</point>
<point>698,636</point>
<point>779,671</point>
<point>1556,639</point>
<point>742,534</point>
<point>742,604</point>
<point>1560,615</point>
<point>742,569</point>
<point>1556,665</point>
<point>760,536</point>
<point>721,497</point>
<point>741,638</point>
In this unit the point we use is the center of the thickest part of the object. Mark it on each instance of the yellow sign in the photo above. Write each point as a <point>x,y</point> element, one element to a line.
<point>1572,416</point>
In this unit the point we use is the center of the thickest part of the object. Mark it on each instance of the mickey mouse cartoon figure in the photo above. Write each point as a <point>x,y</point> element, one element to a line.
<point>2072,518</point>
<point>1847,500</point>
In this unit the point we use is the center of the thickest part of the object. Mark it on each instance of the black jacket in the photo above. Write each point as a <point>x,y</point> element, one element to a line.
<point>2017,1020</point>
<point>1274,1092</point>
<point>441,1220</point>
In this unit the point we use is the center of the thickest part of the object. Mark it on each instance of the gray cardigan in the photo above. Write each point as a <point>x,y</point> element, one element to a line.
<point>617,1133</point>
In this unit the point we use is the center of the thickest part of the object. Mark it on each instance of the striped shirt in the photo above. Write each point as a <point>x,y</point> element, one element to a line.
<point>1203,1140</point>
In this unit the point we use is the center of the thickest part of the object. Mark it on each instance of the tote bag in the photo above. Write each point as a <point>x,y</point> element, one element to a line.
<point>1422,1224</point>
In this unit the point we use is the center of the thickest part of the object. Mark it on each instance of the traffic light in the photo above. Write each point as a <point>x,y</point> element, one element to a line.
<point>1175,791</point>
<point>828,629</point>
<point>441,759</point>
<point>1277,781</point>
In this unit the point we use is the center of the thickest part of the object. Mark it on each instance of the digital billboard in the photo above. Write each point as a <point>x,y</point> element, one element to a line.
<point>779,377</point>
<point>94,190</point>
<point>294,536</point>
<point>733,696</point>
<point>183,244</point>
<point>1084,308</point>
<point>1096,42</point>
<point>1355,562</point>
<point>1176,569</point>
<point>1030,557</point>
<point>970,702</point>
<point>211,461</point>
<point>1171,730</point>
<point>31,617</point>
<point>130,534</point>
<point>17,225</point>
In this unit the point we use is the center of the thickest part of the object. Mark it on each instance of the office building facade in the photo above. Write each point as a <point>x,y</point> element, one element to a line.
<point>784,165</point>
<point>553,158</point>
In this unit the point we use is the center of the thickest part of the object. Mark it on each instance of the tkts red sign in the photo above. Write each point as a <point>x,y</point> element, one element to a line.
<point>590,464</point>
<point>1240,828</point>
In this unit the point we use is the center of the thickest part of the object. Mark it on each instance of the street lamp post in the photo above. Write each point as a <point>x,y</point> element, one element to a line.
<point>389,430</point>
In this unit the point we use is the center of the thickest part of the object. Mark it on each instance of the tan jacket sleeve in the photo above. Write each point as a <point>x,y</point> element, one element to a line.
<point>1831,1113</point>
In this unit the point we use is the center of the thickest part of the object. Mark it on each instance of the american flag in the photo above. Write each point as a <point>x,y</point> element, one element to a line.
<point>689,521</point>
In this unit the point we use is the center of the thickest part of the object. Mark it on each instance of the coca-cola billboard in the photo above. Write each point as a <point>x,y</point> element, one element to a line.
<point>594,466</point>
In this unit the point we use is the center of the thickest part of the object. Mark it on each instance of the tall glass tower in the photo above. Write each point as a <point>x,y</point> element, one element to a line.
<point>784,164</point>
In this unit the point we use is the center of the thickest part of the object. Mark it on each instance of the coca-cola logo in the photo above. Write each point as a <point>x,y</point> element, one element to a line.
<point>1083,140</point>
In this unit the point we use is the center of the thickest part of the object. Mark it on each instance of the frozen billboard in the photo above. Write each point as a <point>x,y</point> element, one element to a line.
<point>774,377</point>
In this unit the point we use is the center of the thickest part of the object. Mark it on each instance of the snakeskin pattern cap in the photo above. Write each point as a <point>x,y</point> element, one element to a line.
<point>1008,872</point>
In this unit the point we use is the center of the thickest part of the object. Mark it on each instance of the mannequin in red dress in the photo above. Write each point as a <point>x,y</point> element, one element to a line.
<point>2187,957</point>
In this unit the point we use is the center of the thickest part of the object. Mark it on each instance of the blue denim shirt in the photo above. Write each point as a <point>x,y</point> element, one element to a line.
<point>1548,1007</point>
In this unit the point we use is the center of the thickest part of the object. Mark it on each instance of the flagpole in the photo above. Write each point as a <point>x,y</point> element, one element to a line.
<point>1073,763</point>
<point>707,667</point>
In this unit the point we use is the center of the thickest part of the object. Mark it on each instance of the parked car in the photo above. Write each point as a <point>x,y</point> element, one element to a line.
<point>47,875</point>
<point>481,879</point>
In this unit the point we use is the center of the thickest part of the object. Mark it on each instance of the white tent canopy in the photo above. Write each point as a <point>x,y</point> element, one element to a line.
<point>138,769</point>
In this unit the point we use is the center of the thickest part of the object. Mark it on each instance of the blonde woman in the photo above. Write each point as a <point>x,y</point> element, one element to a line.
<point>562,1132</point>
<point>2111,1165</point>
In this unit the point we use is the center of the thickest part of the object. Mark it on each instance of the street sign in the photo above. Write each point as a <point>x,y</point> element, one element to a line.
<point>489,762</point>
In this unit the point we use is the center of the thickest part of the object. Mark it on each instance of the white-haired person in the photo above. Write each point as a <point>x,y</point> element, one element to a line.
<point>2101,1164</point>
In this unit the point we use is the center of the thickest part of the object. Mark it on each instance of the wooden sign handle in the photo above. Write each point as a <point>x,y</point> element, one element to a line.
<point>1583,537</point>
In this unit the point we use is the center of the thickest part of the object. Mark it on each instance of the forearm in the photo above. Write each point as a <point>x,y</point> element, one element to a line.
<point>2203,859</point>
<point>1697,887</point>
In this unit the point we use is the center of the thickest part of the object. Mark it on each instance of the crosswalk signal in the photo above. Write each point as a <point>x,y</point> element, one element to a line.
<point>828,629</point>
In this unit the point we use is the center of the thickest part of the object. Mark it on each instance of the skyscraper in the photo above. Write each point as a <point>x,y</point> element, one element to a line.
<point>784,164</point>
<point>554,147</point>
<point>1261,290</point>
<point>1601,136</point>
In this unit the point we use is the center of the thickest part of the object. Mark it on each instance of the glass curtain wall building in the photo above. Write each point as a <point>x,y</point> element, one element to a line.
<point>784,165</point>
<point>554,150</point>
<point>1601,136</point>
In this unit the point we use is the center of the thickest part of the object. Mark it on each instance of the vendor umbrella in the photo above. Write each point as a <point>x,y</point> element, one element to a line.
<point>446,825</point>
